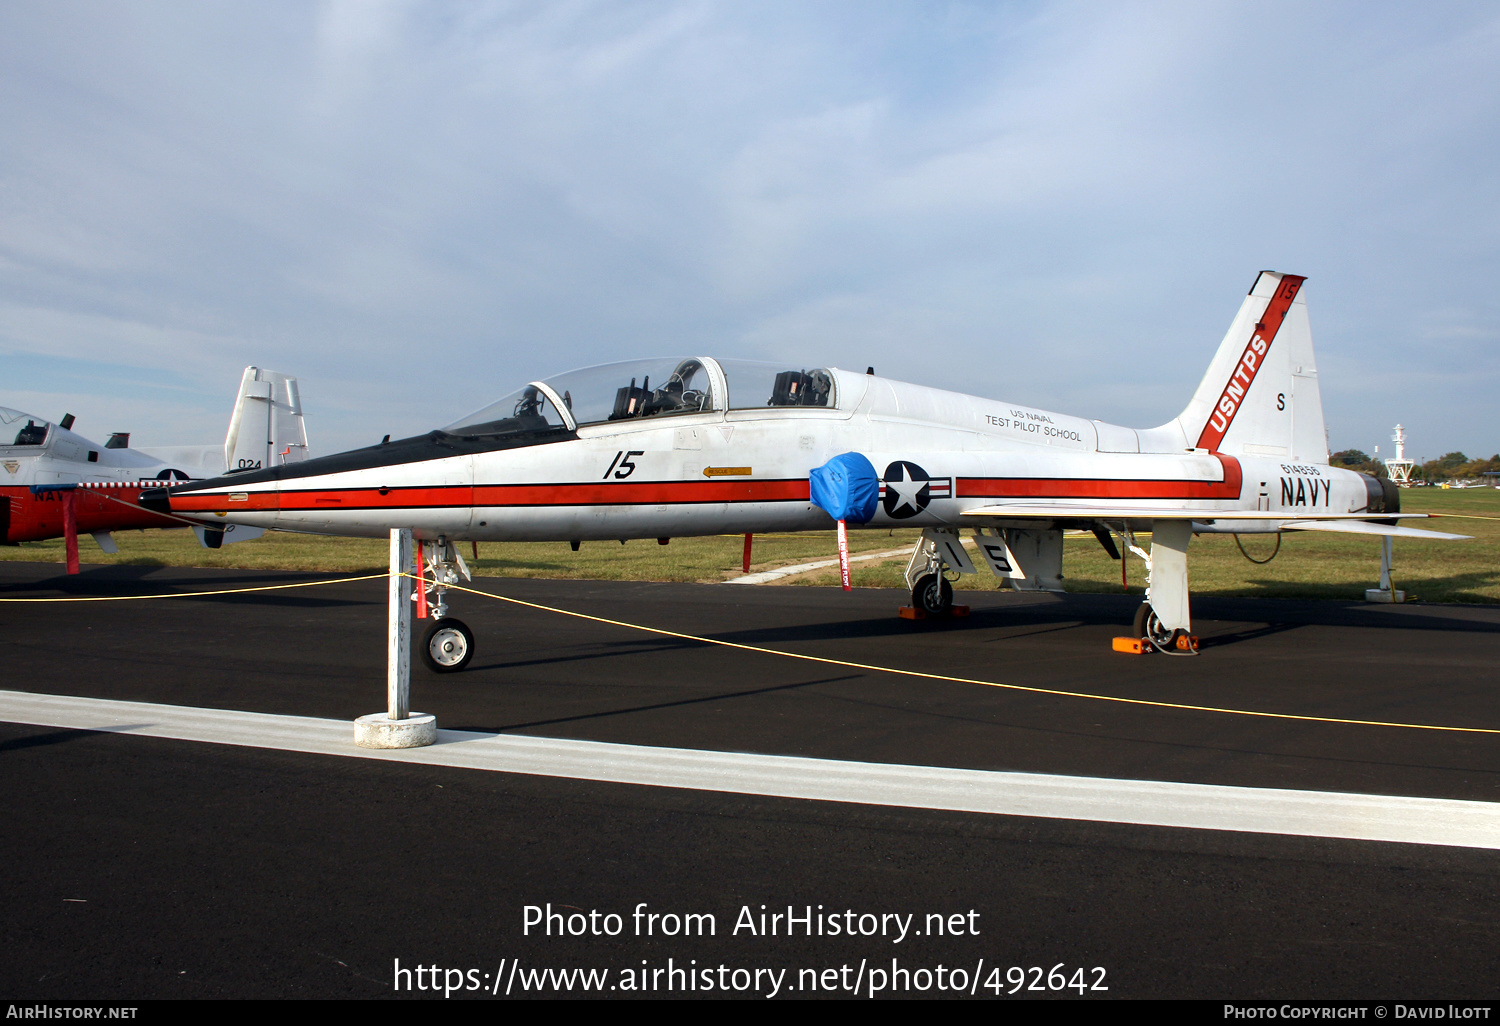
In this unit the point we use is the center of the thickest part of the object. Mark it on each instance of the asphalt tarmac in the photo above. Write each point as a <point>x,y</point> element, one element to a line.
<point>141,867</point>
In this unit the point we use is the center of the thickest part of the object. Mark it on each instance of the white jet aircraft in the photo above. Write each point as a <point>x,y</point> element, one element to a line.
<point>55,482</point>
<point>696,446</point>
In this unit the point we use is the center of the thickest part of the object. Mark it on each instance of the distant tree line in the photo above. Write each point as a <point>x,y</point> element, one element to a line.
<point>1455,466</point>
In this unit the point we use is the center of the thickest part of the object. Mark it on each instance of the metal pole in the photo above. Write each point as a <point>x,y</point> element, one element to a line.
<point>398,653</point>
<point>1385,565</point>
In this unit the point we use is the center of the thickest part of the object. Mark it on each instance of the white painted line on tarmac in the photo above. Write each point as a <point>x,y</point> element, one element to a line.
<point>801,568</point>
<point>1366,817</point>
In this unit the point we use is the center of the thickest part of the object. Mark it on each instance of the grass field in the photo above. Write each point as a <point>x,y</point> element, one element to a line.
<point>1308,566</point>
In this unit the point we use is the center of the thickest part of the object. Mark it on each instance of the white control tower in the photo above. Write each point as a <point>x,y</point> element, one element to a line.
<point>1400,468</point>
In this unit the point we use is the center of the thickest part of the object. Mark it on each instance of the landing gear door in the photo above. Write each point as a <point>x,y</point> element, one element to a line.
<point>1031,560</point>
<point>950,549</point>
<point>992,548</point>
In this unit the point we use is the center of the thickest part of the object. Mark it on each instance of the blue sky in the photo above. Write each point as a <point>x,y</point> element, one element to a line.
<point>416,207</point>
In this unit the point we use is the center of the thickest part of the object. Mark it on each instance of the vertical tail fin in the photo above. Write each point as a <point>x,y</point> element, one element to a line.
<point>266,428</point>
<point>1260,396</point>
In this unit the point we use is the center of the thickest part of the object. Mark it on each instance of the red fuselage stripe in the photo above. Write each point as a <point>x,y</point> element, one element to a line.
<point>1097,488</point>
<point>463,496</point>
<point>685,493</point>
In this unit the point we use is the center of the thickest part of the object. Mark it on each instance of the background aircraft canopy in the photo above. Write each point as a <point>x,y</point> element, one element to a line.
<point>17,428</point>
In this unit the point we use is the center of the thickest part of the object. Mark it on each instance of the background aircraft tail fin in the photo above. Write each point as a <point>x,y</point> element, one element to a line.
<point>1260,396</point>
<point>266,428</point>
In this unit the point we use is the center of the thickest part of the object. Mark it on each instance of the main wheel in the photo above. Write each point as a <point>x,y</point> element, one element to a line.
<point>933,595</point>
<point>448,645</point>
<point>1148,626</point>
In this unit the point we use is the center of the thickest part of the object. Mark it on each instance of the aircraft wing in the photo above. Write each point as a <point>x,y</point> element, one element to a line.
<point>1348,523</point>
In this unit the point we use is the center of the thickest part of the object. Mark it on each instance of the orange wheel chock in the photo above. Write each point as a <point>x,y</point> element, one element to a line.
<point>913,613</point>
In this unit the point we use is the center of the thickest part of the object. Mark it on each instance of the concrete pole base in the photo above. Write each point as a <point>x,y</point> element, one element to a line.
<point>378,730</point>
<point>1384,595</point>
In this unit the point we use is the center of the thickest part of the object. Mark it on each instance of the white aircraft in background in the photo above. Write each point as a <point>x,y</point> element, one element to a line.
<point>724,446</point>
<point>56,483</point>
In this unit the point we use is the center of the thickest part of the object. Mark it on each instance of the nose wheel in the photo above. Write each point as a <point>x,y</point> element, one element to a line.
<point>448,645</point>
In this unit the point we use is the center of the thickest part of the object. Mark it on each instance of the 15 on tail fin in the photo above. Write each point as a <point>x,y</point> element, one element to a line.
<point>1260,395</point>
<point>266,428</point>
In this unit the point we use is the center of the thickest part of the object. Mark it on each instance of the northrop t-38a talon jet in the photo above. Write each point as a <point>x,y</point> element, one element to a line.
<point>696,446</point>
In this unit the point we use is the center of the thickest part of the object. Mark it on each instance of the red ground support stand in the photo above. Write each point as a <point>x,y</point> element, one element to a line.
<point>70,529</point>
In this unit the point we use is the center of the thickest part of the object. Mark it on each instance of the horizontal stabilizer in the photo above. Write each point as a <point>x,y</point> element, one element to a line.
<point>1365,527</point>
<point>1347,523</point>
<point>212,536</point>
<point>1055,511</point>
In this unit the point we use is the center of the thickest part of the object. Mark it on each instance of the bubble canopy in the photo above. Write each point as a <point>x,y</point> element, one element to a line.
<point>635,389</point>
<point>17,428</point>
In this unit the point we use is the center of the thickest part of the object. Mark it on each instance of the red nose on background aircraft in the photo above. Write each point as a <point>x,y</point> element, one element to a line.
<point>56,483</point>
<point>697,446</point>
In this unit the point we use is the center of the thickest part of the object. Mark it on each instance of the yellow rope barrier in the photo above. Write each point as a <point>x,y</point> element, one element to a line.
<point>824,660</point>
<point>968,680</point>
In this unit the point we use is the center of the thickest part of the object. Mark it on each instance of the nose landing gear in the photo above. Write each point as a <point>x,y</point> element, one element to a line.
<point>448,644</point>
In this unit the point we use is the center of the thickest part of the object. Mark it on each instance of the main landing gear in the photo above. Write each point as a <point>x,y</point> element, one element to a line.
<point>1162,620</point>
<point>448,644</point>
<point>1148,626</point>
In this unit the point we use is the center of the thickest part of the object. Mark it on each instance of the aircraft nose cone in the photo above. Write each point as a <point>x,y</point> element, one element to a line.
<point>156,500</point>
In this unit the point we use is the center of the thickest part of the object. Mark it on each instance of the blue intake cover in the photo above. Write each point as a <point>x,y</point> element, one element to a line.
<point>847,487</point>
